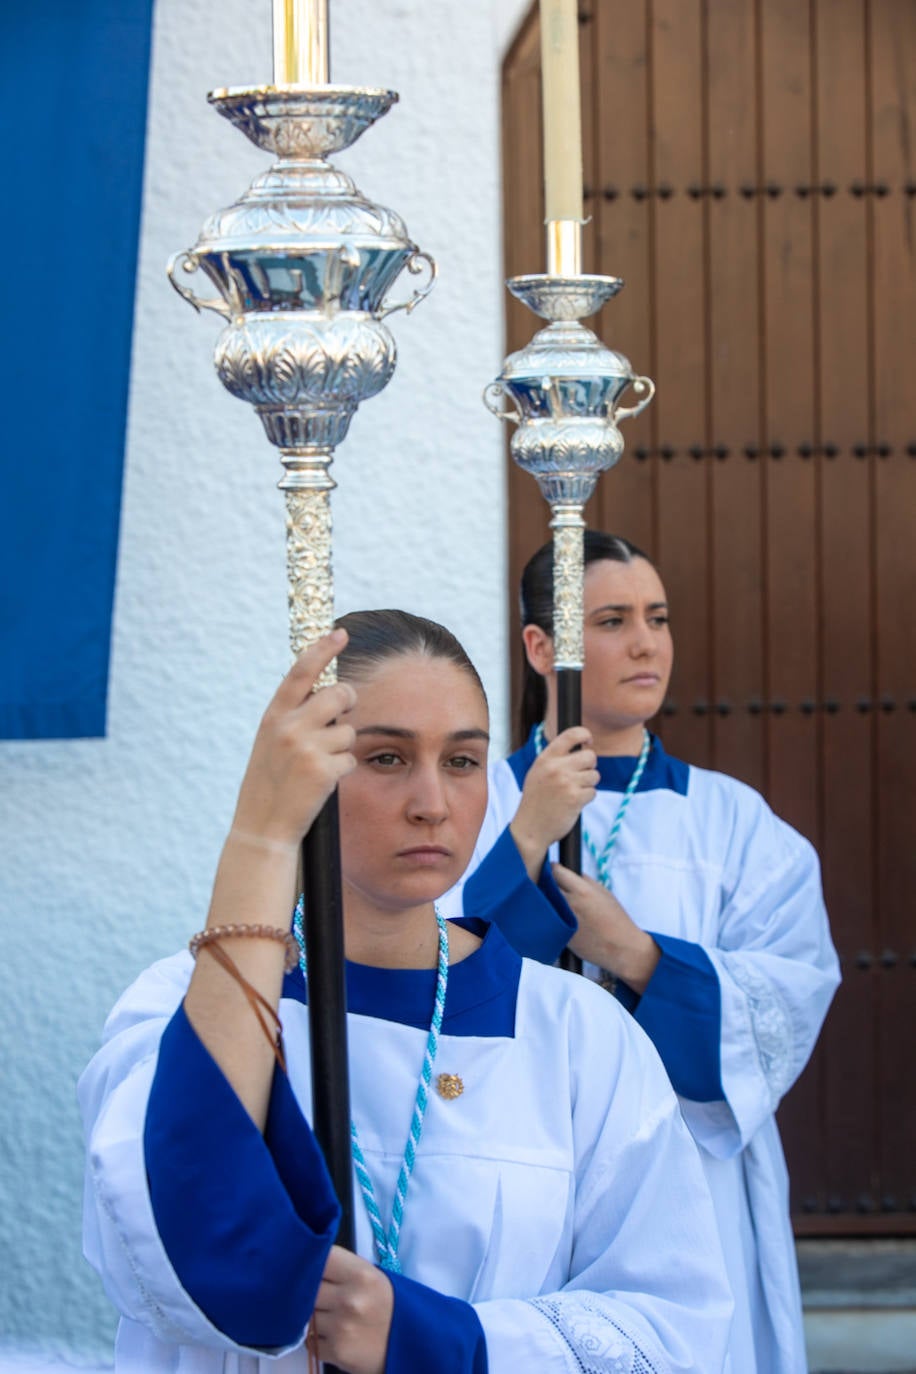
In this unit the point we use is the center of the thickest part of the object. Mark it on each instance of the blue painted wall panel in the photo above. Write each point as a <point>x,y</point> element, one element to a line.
<point>72,130</point>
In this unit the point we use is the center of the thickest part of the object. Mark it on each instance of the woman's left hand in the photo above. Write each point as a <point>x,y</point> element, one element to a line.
<point>353,1311</point>
<point>606,935</point>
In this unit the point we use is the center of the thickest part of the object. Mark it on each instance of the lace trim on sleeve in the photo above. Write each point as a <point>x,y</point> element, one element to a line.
<point>597,1344</point>
<point>771,1025</point>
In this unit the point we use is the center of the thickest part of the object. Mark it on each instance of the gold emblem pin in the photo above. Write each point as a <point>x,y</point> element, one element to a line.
<point>449,1086</point>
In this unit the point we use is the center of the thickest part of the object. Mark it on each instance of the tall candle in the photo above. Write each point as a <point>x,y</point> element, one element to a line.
<point>562,117</point>
<point>300,42</point>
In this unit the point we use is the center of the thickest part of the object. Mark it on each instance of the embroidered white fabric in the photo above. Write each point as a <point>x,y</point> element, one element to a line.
<point>771,1025</point>
<point>596,1342</point>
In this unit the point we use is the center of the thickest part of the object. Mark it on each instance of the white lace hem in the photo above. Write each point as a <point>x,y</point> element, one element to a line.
<point>771,1025</point>
<point>597,1344</point>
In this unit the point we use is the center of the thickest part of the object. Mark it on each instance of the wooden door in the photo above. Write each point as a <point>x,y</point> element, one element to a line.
<point>751,173</point>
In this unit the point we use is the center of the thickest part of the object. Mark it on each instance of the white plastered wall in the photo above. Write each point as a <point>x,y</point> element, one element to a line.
<point>108,846</point>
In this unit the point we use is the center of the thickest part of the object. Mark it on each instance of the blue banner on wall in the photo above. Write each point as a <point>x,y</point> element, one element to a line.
<point>72,129</point>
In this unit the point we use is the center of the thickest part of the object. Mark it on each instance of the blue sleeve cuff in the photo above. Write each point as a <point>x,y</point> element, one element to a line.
<point>433,1334</point>
<point>681,1012</point>
<point>246,1220</point>
<point>535,918</point>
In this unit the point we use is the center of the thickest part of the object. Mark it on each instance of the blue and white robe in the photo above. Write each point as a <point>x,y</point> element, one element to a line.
<point>557,1218</point>
<point>732,896</point>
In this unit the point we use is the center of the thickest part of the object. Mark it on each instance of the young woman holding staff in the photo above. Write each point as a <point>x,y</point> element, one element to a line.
<point>548,1211</point>
<point>697,907</point>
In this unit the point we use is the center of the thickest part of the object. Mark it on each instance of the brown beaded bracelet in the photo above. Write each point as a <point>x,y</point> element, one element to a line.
<point>212,933</point>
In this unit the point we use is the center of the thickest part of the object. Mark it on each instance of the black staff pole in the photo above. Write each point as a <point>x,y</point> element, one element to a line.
<point>569,713</point>
<point>327,994</point>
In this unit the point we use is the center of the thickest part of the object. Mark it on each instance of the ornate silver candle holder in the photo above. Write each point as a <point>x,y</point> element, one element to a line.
<point>302,265</point>
<point>566,386</point>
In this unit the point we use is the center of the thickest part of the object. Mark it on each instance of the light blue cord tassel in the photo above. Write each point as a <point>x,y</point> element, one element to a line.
<point>387,1246</point>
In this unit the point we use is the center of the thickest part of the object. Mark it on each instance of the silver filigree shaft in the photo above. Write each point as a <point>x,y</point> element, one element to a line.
<point>568,527</point>
<point>309,571</point>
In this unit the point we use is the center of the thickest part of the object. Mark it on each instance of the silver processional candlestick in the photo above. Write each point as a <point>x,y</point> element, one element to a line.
<point>302,265</point>
<point>565,386</point>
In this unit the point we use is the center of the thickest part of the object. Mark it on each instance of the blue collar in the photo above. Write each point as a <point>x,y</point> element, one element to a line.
<point>481,995</point>
<point>662,772</point>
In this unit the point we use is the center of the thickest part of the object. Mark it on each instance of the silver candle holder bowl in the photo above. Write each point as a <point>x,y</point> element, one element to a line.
<point>302,265</point>
<point>566,389</point>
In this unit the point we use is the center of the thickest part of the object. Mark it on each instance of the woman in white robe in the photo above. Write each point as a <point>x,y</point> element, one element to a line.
<point>706,920</point>
<point>556,1218</point>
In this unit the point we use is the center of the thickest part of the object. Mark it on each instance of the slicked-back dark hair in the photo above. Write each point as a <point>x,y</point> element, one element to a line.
<point>377,636</point>
<point>536,608</point>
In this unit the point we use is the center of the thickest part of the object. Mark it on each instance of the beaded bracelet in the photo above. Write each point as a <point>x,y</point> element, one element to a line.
<point>212,933</point>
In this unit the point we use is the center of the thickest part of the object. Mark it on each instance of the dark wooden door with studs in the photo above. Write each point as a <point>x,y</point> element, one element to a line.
<point>750,170</point>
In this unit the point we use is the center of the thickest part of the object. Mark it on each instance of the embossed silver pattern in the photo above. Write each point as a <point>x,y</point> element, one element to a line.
<point>564,298</point>
<point>565,390</point>
<point>302,265</point>
<point>303,121</point>
<point>309,571</point>
<point>304,375</point>
<point>568,528</point>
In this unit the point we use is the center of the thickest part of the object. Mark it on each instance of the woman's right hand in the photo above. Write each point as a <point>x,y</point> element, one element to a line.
<point>560,783</point>
<point>300,753</point>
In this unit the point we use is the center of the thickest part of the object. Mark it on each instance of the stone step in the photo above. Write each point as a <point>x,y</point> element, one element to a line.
<point>859,1301</point>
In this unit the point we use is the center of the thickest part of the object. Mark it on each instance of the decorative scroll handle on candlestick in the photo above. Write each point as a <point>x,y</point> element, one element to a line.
<point>414,264</point>
<point>189,263</point>
<point>493,395</point>
<point>638,384</point>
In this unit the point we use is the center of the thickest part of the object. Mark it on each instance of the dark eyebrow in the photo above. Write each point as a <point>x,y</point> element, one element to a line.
<point>386,730</point>
<point>652,606</point>
<point>398,732</point>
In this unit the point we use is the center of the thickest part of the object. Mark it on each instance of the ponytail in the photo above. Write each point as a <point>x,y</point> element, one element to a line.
<point>536,608</point>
